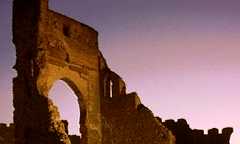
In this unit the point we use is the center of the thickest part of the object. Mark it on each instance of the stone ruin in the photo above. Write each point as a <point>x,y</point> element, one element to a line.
<point>51,47</point>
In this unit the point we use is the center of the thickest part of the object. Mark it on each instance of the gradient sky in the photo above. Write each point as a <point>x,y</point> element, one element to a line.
<point>181,56</point>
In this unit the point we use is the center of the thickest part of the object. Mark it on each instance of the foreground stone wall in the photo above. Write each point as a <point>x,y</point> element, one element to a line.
<point>123,130</point>
<point>185,135</point>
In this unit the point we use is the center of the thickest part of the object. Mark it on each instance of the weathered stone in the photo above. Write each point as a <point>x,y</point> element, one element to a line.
<point>51,47</point>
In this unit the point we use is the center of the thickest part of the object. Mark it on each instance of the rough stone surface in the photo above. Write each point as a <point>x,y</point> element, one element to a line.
<point>51,47</point>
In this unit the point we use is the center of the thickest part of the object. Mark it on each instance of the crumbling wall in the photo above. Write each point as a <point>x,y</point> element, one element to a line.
<point>51,47</point>
<point>124,118</point>
<point>133,126</point>
<point>185,135</point>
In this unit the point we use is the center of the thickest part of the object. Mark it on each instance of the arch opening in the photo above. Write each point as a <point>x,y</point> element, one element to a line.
<point>67,101</point>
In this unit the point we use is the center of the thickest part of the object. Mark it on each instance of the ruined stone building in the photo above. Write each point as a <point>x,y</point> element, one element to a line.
<point>51,47</point>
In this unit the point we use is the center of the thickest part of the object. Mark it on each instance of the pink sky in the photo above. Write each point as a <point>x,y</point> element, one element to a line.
<point>181,57</point>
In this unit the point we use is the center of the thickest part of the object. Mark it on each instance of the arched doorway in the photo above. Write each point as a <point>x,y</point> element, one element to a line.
<point>68,106</point>
<point>67,99</point>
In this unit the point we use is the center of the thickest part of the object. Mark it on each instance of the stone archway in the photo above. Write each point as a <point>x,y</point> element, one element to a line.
<point>52,47</point>
<point>68,104</point>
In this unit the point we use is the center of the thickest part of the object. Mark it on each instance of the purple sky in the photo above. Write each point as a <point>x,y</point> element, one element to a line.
<point>181,56</point>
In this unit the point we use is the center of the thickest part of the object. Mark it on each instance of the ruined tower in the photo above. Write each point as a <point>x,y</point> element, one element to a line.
<point>52,47</point>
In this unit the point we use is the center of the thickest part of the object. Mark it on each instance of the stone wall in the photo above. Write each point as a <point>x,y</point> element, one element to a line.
<point>185,135</point>
<point>122,129</point>
<point>124,118</point>
<point>51,47</point>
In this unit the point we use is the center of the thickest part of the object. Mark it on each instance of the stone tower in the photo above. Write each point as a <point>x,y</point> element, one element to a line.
<point>52,47</point>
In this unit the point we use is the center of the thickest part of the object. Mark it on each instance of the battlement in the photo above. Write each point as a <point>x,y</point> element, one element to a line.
<point>184,134</point>
<point>183,123</point>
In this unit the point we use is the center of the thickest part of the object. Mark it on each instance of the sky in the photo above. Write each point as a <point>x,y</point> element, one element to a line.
<point>182,57</point>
